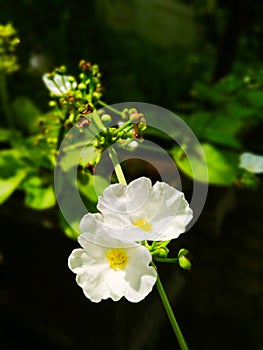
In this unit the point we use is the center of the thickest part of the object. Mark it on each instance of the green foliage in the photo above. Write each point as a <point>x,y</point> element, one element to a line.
<point>12,173</point>
<point>222,165</point>
<point>227,109</point>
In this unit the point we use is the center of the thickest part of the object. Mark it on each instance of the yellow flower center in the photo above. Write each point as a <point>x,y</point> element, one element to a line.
<point>144,225</point>
<point>117,258</point>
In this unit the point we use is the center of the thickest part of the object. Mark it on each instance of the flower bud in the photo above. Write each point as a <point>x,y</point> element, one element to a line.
<point>52,103</point>
<point>163,252</point>
<point>106,118</point>
<point>82,87</point>
<point>184,263</point>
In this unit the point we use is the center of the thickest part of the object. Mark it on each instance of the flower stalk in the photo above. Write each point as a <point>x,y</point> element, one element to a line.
<point>117,166</point>
<point>170,314</point>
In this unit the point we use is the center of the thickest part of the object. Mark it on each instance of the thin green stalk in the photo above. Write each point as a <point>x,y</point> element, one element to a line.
<point>4,101</point>
<point>170,314</point>
<point>109,107</point>
<point>98,121</point>
<point>117,166</point>
<point>166,260</point>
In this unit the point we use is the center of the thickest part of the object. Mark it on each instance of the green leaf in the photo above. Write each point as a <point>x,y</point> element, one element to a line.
<point>26,114</point>
<point>223,130</point>
<point>198,122</point>
<point>91,186</point>
<point>11,173</point>
<point>255,98</point>
<point>208,93</point>
<point>222,166</point>
<point>73,157</point>
<point>38,195</point>
<point>72,231</point>
<point>7,135</point>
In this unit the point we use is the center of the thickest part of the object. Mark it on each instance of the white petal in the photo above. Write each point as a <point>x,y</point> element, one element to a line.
<point>58,85</point>
<point>140,276</point>
<point>162,207</point>
<point>99,281</point>
<point>251,162</point>
<point>120,199</point>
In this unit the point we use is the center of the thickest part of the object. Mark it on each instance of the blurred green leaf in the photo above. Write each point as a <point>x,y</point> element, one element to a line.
<point>222,165</point>
<point>255,98</point>
<point>11,173</point>
<point>38,195</point>
<point>26,114</point>
<point>72,231</point>
<point>73,157</point>
<point>208,93</point>
<point>223,130</point>
<point>91,186</point>
<point>7,135</point>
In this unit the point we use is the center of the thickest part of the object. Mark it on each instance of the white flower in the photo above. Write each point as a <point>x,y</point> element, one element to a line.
<point>139,211</point>
<point>59,84</point>
<point>251,162</point>
<point>107,267</point>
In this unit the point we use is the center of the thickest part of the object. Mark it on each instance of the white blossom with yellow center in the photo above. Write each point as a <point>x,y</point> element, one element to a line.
<point>139,211</point>
<point>59,84</point>
<point>251,162</point>
<point>107,267</point>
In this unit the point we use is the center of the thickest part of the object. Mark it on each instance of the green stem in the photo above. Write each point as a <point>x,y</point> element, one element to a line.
<point>109,107</point>
<point>124,126</point>
<point>4,101</point>
<point>98,121</point>
<point>170,314</point>
<point>166,260</point>
<point>117,166</point>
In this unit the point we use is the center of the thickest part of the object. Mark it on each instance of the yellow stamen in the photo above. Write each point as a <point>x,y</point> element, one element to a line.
<point>144,225</point>
<point>117,258</point>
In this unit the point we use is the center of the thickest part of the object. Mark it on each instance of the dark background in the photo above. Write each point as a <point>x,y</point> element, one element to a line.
<point>144,56</point>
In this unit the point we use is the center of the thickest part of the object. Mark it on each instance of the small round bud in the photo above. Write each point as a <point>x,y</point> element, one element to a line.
<point>84,65</point>
<point>247,79</point>
<point>183,252</point>
<point>82,87</point>
<point>163,252</point>
<point>125,113</point>
<point>71,79</point>
<point>62,69</point>
<point>184,263</point>
<point>52,104</point>
<point>106,118</point>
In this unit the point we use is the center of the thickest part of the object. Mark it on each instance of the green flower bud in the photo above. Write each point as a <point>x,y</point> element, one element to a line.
<point>106,118</point>
<point>52,103</point>
<point>78,95</point>
<point>71,79</point>
<point>184,263</point>
<point>82,87</point>
<point>163,252</point>
<point>182,252</point>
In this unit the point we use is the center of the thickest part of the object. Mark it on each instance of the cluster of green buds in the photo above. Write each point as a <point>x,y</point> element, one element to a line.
<point>160,251</point>
<point>8,44</point>
<point>125,133</point>
<point>72,98</point>
<point>75,102</point>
